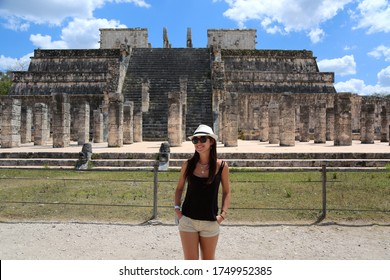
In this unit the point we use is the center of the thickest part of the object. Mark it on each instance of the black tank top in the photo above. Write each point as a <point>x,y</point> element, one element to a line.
<point>201,200</point>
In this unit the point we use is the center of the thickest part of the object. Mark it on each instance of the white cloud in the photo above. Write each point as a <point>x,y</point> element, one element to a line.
<point>45,42</point>
<point>316,35</point>
<point>352,85</point>
<point>14,64</point>
<point>384,77</point>
<point>82,31</point>
<point>358,86</point>
<point>20,13</point>
<point>343,66</point>
<point>286,16</point>
<point>347,66</point>
<point>373,15</point>
<point>84,34</point>
<point>349,48</point>
<point>380,51</point>
<point>78,34</point>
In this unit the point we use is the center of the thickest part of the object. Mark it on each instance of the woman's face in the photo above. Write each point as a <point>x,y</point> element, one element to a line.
<point>202,144</point>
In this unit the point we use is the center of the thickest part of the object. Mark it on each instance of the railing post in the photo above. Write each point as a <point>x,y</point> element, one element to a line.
<point>155,189</point>
<point>323,215</point>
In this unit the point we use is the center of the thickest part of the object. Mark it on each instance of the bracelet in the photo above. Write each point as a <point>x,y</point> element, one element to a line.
<point>177,207</point>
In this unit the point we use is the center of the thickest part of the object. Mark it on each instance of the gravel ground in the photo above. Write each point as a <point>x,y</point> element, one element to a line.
<point>91,241</point>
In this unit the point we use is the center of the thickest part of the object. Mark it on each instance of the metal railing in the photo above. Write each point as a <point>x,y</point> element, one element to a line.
<point>157,192</point>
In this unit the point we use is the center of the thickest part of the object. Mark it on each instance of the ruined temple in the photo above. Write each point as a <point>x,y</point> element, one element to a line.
<point>128,91</point>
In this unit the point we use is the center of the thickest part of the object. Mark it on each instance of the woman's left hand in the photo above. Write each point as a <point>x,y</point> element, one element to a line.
<point>219,219</point>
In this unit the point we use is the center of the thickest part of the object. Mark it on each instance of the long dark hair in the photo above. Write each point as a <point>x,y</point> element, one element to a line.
<point>191,164</point>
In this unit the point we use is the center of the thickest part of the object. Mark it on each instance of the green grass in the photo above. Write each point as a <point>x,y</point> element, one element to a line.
<point>127,197</point>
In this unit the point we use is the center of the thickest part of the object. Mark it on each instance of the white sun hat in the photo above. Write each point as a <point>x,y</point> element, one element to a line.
<point>204,130</point>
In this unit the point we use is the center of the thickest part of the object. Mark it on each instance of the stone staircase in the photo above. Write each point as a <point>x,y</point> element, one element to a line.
<point>164,68</point>
<point>131,161</point>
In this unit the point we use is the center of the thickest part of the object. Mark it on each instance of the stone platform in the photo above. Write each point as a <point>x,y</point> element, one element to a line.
<point>248,154</point>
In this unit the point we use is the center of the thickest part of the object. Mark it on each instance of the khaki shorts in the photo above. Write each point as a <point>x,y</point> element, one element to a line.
<point>204,228</point>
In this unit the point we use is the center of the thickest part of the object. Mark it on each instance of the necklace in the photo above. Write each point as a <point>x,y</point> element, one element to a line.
<point>203,167</point>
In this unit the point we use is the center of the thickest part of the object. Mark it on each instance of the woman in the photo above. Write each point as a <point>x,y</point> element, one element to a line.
<point>199,219</point>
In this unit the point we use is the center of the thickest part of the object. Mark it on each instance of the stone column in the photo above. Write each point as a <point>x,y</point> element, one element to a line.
<point>231,120</point>
<point>97,126</point>
<point>342,120</point>
<point>297,123</point>
<point>287,120</point>
<point>61,120</point>
<point>385,121</point>
<point>263,124</point>
<point>320,122</point>
<point>273,108</point>
<point>218,89</point>
<point>40,124</point>
<point>10,123</point>
<point>145,96</point>
<point>222,115</point>
<point>105,122</point>
<point>26,124</point>
<point>329,124</point>
<point>137,124</point>
<point>367,123</point>
<point>304,123</point>
<point>183,98</point>
<point>115,120</point>
<point>83,123</point>
<point>128,122</point>
<point>175,135</point>
<point>74,125</point>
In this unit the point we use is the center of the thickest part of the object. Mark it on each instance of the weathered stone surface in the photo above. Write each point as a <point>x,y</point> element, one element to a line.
<point>128,122</point>
<point>329,124</point>
<point>287,120</point>
<point>41,124</point>
<point>274,116</point>
<point>231,120</point>
<point>175,123</point>
<point>26,124</point>
<point>304,123</point>
<point>367,130</point>
<point>264,123</point>
<point>61,120</point>
<point>320,123</point>
<point>83,123</point>
<point>10,123</point>
<point>97,126</point>
<point>115,120</point>
<point>385,122</point>
<point>342,126</point>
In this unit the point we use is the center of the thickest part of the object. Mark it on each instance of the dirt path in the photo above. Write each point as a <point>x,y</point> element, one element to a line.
<point>61,241</point>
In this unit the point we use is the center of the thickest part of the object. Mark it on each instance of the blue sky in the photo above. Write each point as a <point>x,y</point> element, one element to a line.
<point>348,37</point>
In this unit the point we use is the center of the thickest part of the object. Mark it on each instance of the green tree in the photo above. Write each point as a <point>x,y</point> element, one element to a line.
<point>5,83</point>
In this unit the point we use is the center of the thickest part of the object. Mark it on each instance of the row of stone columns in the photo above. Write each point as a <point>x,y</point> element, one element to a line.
<point>277,121</point>
<point>122,124</point>
<point>19,121</point>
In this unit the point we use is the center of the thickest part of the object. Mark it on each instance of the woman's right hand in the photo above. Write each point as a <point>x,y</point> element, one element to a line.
<point>178,213</point>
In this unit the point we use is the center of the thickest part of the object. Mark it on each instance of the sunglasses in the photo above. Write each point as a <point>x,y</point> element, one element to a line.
<point>202,139</point>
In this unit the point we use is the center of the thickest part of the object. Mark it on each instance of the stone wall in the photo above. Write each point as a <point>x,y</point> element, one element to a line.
<point>117,38</point>
<point>68,71</point>
<point>237,39</point>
